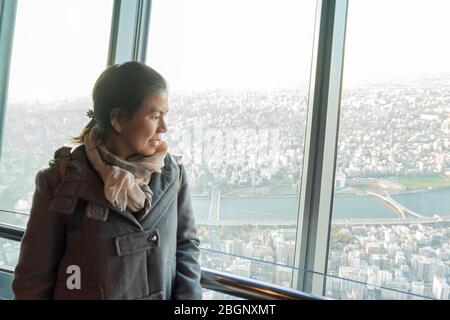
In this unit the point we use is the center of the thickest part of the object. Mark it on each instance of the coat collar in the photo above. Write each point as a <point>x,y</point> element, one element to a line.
<point>87,184</point>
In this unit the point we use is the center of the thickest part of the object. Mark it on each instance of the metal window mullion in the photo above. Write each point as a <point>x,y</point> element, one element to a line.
<point>317,191</point>
<point>142,29</point>
<point>129,31</point>
<point>8,10</point>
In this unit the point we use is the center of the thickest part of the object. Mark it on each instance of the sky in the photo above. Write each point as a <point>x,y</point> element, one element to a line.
<point>233,44</point>
<point>396,39</point>
<point>60,46</point>
<point>59,49</point>
<point>264,44</point>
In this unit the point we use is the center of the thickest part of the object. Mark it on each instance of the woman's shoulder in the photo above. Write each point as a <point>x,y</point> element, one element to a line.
<point>56,167</point>
<point>173,160</point>
<point>63,158</point>
<point>60,159</point>
<point>178,158</point>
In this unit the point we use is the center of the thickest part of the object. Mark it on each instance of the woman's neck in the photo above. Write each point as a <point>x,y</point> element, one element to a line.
<point>117,146</point>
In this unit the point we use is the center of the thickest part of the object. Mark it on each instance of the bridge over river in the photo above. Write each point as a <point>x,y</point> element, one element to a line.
<point>402,211</point>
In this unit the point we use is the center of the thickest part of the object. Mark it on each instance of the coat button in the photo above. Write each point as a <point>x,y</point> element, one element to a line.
<point>153,238</point>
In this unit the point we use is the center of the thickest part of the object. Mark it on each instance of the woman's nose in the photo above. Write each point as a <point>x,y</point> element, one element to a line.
<point>162,128</point>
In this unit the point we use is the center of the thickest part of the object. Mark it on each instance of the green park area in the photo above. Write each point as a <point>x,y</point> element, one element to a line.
<point>424,182</point>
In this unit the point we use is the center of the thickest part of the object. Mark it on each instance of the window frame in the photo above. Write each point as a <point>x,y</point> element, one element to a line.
<point>8,9</point>
<point>321,139</point>
<point>129,31</point>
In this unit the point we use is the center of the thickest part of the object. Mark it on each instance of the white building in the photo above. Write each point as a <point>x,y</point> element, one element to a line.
<point>241,267</point>
<point>440,288</point>
<point>417,287</point>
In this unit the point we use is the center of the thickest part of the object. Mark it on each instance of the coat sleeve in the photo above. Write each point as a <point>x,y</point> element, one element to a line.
<point>187,282</point>
<point>42,245</point>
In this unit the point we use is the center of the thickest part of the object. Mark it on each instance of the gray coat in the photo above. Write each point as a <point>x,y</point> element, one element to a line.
<point>72,224</point>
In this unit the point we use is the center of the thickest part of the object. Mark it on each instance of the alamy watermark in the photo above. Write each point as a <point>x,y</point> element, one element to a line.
<point>74,280</point>
<point>211,146</point>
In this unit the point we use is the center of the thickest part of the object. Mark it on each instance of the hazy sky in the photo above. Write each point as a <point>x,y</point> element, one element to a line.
<point>389,39</point>
<point>233,44</point>
<point>60,46</point>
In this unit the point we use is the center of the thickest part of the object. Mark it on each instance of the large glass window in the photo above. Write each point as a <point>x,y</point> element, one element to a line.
<point>391,213</point>
<point>59,49</point>
<point>238,73</point>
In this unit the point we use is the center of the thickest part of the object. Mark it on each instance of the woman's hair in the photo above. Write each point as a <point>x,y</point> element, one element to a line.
<point>122,86</point>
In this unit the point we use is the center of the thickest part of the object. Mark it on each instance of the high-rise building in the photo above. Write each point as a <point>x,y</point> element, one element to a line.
<point>283,276</point>
<point>420,266</point>
<point>353,257</point>
<point>446,126</point>
<point>351,278</point>
<point>372,248</point>
<point>241,267</point>
<point>385,276</point>
<point>440,288</point>
<point>396,289</point>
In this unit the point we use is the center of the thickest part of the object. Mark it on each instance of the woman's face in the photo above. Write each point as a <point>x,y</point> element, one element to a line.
<point>142,133</point>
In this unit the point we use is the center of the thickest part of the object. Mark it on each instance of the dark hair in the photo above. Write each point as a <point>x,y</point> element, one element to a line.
<point>122,86</point>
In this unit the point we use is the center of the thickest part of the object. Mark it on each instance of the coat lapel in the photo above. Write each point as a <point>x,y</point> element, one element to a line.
<point>162,185</point>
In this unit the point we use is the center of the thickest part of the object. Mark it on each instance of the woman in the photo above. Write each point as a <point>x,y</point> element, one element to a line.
<point>113,219</point>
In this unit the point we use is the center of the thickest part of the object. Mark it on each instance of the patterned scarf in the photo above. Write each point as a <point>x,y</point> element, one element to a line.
<point>126,180</point>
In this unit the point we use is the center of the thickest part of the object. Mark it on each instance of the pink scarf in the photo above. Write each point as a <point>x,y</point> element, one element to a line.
<point>126,181</point>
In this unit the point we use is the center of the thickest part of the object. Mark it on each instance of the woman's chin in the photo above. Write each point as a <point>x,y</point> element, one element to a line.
<point>151,148</point>
<point>149,152</point>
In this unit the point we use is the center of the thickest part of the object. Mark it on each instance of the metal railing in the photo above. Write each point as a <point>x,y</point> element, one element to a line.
<point>247,288</point>
<point>11,232</point>
<point>225,283</point>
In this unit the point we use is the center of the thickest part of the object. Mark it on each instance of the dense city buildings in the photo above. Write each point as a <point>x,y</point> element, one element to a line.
<point>394,142</point>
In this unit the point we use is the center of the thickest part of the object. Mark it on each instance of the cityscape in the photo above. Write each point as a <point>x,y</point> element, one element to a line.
<point>393,149</point>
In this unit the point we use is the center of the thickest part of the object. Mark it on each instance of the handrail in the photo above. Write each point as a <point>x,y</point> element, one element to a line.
<point>11,232</point>
<point>226,283</point>
<point>247,288</point>
<point>6,269</point>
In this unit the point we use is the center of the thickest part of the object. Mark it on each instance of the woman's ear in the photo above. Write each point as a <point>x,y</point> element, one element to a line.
<point>116,119</point>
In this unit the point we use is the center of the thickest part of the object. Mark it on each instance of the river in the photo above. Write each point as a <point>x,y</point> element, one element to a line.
<point>283,209</point>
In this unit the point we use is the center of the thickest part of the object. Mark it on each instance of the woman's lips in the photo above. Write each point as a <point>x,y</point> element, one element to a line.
<point>154,142</point>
